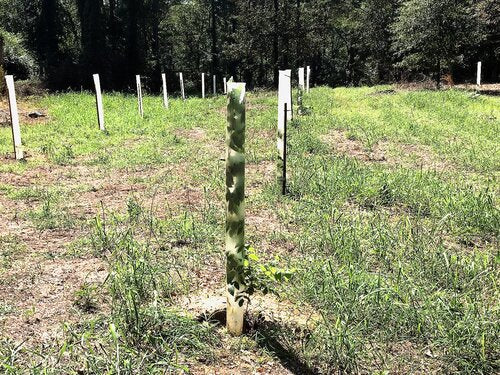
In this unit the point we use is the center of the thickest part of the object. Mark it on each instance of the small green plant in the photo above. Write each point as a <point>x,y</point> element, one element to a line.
<point>5,309</point>
<point>302,110</point>
<point>64,155</point>
<point>87,298</point>
<point>264,277</point>
<point>134,209</point>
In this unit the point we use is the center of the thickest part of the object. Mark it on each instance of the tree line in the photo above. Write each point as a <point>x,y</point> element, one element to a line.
<point>349,42</point>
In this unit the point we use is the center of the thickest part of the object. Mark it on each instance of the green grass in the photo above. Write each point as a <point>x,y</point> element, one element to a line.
<point>457,125</point>
<point>398,260</point>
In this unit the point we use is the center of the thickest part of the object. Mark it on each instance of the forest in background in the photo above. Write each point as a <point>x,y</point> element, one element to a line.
<point>350,42</point>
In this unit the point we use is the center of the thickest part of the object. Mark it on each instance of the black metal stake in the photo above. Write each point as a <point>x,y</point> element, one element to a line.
<point>283,189</point>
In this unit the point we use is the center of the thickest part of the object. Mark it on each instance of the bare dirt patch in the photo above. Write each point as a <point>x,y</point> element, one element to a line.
<point>341,144</point>
<point>42,296</point>
<point>258,174</point>
<point>485,89</point>
<point>267,307</point>
<point>24,110</point>
<point>91,187</point>
<point>257,107</point>
<point>268,134</point>
<point>265,312</point>
<point>416,86</point>
<point>388,153</point>
<point>196,133</point>
<point>39,286</point>
<point>261,222</point>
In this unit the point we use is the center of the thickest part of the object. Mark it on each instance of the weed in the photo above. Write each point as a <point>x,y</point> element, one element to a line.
<point>10,247</point>
<point>86,298</point>
<point>50,215</point>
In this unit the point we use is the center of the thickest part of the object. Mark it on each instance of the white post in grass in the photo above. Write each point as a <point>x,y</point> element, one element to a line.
<point>203,85</point>
<point>301,79</point>
<point>308,78</point>
<point>14,118</point>
<point>300,91</point>
<point>214,84</point>
<point>165,93</point>
<point>285,91</point>
<point>284,97</point>
<point>139,94</point>
<point>182,86</point>
<point>478,79</point>
<point>98,100</point>
<point>225,85</point>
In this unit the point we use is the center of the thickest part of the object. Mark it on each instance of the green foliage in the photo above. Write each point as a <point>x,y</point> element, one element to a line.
<point>2,71</point>
<point>141,283</point>
<point>10,248</point>
<point>61,154</point>
<point>346,43</point>
<point>431,36</point>
<point>18,60</point>
<point>2,79</point>
<point>264,277</point>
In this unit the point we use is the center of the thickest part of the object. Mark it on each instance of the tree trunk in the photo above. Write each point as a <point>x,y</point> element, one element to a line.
<point>2,71</point>
<point>155,48</point>
<point>298,36</point>
<point>275,43</point>
<point>132,49</point>
<point>286,39</point>
<point>92,38</point>
<point>213,33</point>
<point>437,75</point>
<point>114,56</point>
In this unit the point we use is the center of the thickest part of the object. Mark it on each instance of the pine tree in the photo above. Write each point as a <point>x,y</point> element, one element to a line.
<point>2,72</point>
<point>431,35</point>
<point>92,36</point>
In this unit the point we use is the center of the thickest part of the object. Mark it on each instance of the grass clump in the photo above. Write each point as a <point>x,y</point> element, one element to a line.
<point>144,332</point>
<point>142,282</point>
<point>50,214</point>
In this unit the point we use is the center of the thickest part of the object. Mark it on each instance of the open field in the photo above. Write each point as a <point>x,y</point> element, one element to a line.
<point>110,242</point>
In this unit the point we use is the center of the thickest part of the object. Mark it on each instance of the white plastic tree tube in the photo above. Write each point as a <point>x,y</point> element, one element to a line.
<point>98,99</point>
<point>14,118</point>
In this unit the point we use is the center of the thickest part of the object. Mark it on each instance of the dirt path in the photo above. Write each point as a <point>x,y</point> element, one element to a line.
<point>485,89</point>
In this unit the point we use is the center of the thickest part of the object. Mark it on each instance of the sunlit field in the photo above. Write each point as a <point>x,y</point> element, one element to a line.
<point>111,241</point>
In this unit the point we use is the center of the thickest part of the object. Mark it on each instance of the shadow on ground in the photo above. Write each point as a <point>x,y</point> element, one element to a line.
<point>269,335</point>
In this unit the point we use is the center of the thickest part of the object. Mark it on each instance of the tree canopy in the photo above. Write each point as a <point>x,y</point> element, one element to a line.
<point>348,42</point>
